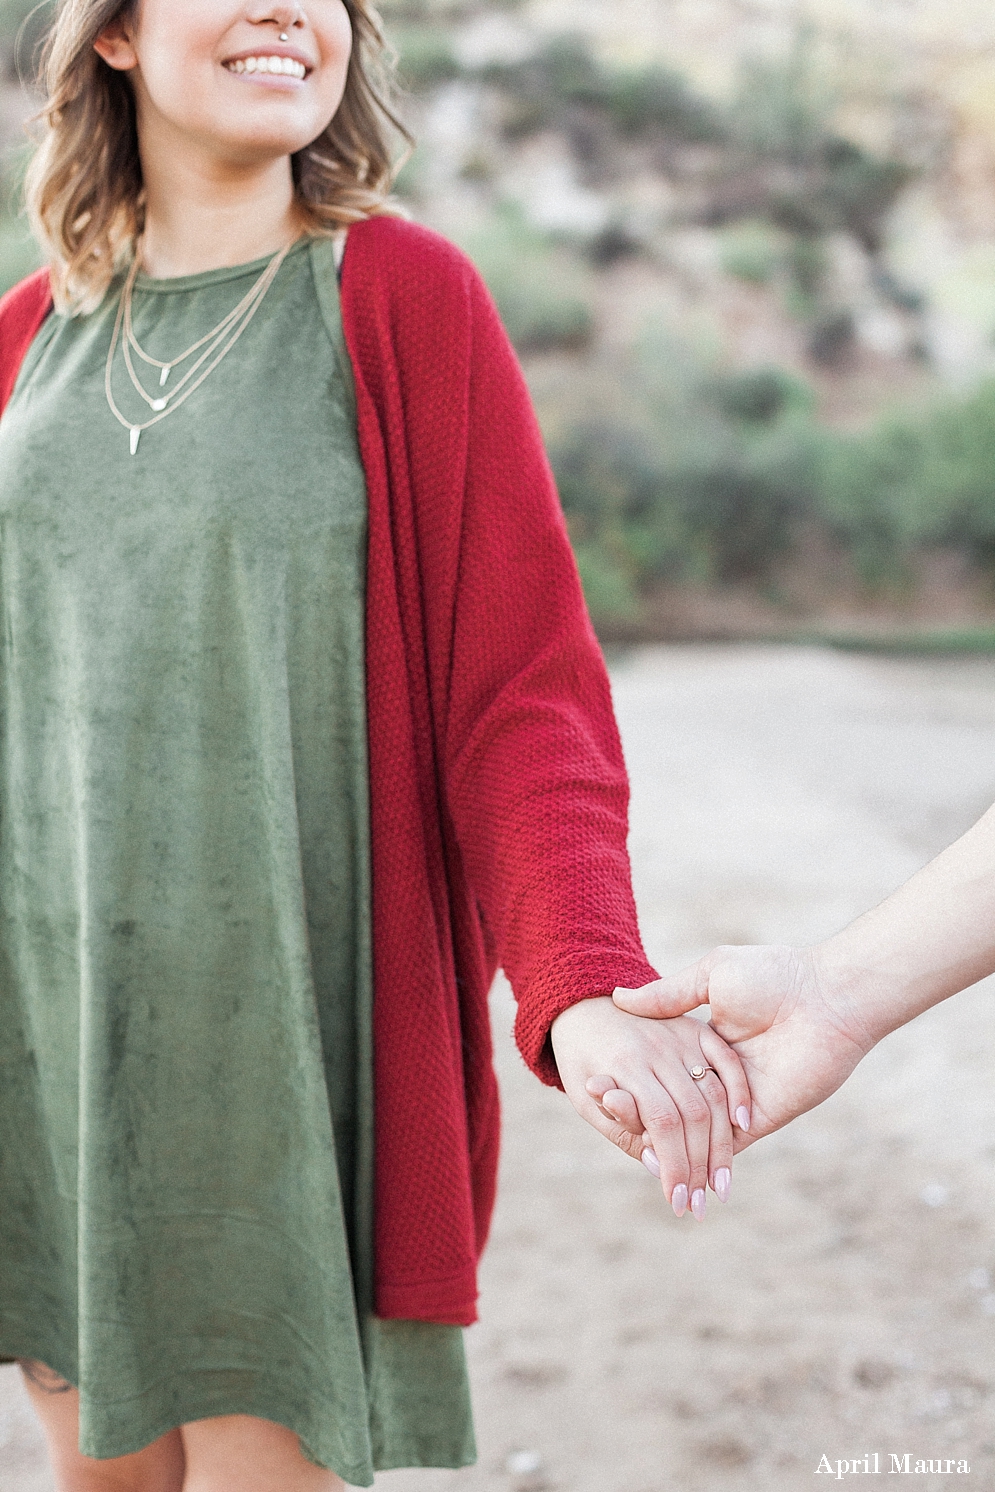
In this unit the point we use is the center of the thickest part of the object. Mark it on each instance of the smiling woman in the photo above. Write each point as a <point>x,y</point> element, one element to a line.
<point>328,124</point>
<point>303,729</point>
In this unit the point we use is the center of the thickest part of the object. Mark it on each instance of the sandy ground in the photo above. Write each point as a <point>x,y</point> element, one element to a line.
<point>844,1302</point>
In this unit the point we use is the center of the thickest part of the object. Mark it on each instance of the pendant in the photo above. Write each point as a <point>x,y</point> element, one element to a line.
<point>135,434</point>
<point>158,404</point>
<point>165,374</point>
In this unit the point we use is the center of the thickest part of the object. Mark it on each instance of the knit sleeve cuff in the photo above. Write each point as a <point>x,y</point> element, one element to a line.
<point>539,1006</point>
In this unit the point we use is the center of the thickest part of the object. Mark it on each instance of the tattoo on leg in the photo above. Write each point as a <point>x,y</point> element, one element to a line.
<point>42,1377</point>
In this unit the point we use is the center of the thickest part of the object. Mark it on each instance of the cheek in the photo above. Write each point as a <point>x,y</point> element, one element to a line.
<point>335,42</point>
<point>176,59</point>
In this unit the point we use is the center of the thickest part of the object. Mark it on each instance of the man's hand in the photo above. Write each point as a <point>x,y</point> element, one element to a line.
<point>798,1039</point>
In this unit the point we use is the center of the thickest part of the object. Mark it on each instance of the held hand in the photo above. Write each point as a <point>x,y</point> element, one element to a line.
<point>681,1129</point>
<point>798,1038</point>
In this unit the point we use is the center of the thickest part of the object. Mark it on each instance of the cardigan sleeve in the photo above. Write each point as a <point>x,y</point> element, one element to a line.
<point>535,778</point>
<point>22,311</point>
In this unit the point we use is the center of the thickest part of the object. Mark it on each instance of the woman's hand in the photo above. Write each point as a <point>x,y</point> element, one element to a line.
<point>798,1035</point>
<point>630,1079</point>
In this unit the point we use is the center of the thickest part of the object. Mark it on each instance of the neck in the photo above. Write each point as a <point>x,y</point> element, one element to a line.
<point>203,214</point>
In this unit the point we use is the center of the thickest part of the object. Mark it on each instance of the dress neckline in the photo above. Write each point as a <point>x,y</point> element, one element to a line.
<point>176,283</point>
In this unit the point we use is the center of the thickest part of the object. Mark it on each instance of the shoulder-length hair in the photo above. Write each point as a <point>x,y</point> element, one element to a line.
<point>84,184</point>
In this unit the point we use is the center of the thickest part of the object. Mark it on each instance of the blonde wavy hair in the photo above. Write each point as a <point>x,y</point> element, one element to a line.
<point>84,186</point>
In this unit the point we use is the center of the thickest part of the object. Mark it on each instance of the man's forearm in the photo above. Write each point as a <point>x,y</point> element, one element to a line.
<point>931,938</point>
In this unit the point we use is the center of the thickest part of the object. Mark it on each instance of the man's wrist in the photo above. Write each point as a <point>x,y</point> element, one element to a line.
<point>862,995</point>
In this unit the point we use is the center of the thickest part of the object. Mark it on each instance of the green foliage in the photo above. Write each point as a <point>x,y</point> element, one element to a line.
<point>913,484</point>
<point>425,57</point>
<point>18,252</point>
<point>540,291</point>
<point>709,477</point>
<point>610,590</point>
<point>23,24</point>
<point>751,250</point>
<point>759,396</point>
<point>541,91</point>
<point>788,167</point>
<point>722,477</point>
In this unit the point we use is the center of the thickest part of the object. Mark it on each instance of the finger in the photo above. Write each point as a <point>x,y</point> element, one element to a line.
<point>720,1135</point>
<point>631,1141</point>
<point>732,1073</point>
<point>674,995</point>
<point>696,1117</point>
<point>615,1103</point>
<point>665,1128</point>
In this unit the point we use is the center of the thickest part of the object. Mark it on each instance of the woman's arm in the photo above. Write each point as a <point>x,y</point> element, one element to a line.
<point>801,1019</point>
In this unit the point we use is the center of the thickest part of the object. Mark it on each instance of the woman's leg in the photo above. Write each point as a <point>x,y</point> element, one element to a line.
<point>233,1453</point>
<point>237,1453</point>
<point>157,1468</point>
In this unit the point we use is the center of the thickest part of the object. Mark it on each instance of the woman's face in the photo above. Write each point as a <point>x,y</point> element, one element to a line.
<point>216,72</point>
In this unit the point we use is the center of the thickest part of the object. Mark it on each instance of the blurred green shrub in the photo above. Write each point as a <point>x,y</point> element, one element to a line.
<point>425,56</point>
<point>540,290</point>
<point>725,477</point>
<point>711,478</point>
<point>914,483</point>
<point>18,252</point>
<point>759,395</point>
<point>23,24</point>
<point>565,75</point>
<point>751,250</point>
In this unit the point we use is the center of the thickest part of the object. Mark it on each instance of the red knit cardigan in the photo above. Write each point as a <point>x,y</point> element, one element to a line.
<point>498,794</point>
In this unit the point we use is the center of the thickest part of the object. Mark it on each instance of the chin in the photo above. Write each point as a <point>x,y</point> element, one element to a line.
<point>247,142</point>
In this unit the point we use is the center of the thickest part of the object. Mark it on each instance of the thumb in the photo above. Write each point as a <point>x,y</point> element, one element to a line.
<point>673,995</point>
<point>615,1103</point>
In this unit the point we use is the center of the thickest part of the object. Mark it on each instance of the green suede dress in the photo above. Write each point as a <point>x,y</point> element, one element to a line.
<point>185,971</point>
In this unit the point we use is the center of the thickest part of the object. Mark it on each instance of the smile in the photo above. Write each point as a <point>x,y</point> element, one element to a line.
<point>286,67</point>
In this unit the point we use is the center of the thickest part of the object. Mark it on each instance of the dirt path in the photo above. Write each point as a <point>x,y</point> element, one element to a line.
<point>844,1302</point>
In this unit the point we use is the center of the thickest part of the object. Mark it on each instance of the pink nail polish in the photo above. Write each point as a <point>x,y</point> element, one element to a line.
<point>723,1182</point>
<point>651,1163</point>
<point>743,1117</point>
<point>679,1199</point>
<point>698,1203</point>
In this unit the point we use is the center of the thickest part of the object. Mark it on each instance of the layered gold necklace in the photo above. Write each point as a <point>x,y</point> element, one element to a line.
<point>213,349</point>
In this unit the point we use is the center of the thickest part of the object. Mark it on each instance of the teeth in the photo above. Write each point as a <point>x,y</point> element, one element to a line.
<point>284,66</point>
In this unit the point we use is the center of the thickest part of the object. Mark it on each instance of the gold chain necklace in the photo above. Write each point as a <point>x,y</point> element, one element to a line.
<point>223,336</point>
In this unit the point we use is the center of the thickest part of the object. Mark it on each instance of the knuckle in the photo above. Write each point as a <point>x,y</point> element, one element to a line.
<point>666,1119</point>
<point>625,1140</point>
<point>696,1111</point>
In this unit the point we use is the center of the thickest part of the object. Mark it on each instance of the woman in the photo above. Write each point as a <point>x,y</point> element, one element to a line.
<point>304,731</point>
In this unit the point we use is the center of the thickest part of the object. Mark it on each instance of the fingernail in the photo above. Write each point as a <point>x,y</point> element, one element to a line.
<point>723,1181</point>
<point>651,1163</point>
<point>698,1203</point>
<point>743,1116</point>
<point>679,1199</point>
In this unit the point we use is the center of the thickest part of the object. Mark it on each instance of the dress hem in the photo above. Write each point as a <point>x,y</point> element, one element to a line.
<point>12,1352</point>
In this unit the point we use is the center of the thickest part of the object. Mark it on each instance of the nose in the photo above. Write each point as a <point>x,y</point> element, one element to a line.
<point>283,17</point>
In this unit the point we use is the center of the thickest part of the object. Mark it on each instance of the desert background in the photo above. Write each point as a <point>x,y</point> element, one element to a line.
<point>746,252</point>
